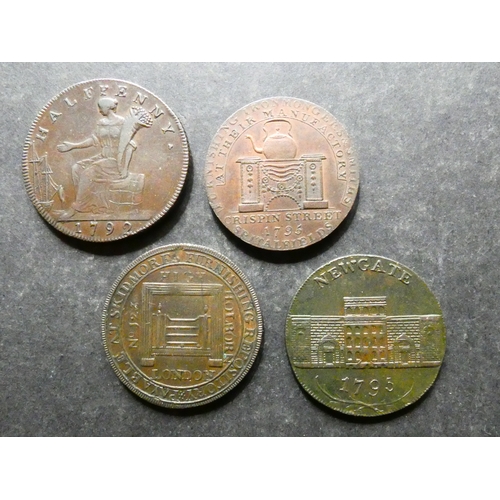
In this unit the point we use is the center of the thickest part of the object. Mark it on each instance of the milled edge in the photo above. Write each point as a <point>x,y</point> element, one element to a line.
<point>335,121</point>
<point>241,275</point>
<point>288,349</point>
<point>61,227</point>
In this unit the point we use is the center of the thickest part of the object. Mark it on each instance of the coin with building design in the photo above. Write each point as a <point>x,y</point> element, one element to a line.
<point>181,326</point>
<point>281,173</point>
<point>104,159</point>
<point>365,335</point>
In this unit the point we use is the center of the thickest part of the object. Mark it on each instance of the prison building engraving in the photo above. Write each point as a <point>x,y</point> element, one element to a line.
<point>365,337</point>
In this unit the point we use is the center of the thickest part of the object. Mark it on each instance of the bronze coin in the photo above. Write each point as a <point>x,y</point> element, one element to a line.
<point>281,173</point>
<point>104,159</point>
<point>181,326</point>
<point>365,335</point>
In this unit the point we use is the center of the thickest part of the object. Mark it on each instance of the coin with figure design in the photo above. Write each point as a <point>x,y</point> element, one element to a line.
<point>181,326</point>
<point>365,335</point>
<point>104,159</point>
<point>281,173</point>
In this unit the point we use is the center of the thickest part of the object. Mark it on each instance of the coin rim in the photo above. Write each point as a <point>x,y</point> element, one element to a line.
<point>237,380</point>
<point>61,227</point>
<point>351,147</point>
<point>307,389</point>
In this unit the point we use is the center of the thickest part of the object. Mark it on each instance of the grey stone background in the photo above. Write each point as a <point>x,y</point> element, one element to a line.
<point>426,137</point>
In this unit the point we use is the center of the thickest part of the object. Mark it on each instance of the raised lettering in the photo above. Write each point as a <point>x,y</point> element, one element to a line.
<point>378,267</point>
<point>156,111</point>
<point>54,116</point>
<point>168,128</point>
<point>139,98</point>
<point>122,91</point>
<point>88,93</point>
<point>69,103</point>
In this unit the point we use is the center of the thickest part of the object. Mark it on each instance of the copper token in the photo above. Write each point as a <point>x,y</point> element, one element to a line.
<point>104,159</point>
<point>281,173</point>
<point>365,335</point>
<point>181,326</point>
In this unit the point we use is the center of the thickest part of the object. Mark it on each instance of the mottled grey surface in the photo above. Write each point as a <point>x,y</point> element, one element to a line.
<point>426,136</point>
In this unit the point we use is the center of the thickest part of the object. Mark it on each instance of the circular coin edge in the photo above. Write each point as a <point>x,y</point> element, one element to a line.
<point>309,390</point>
<point>53,222</point>
<point>259,320</point>
<point>335,120</point>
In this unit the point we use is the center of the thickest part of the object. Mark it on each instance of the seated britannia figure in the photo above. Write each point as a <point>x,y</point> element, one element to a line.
<point>113,138</point>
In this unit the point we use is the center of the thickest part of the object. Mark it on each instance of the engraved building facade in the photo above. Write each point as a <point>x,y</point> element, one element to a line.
<point>365,337</point>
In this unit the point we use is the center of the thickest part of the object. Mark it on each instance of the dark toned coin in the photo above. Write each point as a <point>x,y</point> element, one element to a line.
<point>181,326</point>
<point>365,336</point>
<point>281,173</point>
<point>104,159</point>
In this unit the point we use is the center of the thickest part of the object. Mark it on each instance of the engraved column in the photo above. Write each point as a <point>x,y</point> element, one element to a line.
<point>313,174</point>
<point>215,328</point>
<point>302,341</point>
<point>147,358</point>
<point>250,185</point>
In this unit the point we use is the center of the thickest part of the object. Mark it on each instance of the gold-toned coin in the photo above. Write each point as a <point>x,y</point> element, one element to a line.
<point>365,335</point>
<point>104,159</point>
<point>281,173</point>
<point>181,326</point>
